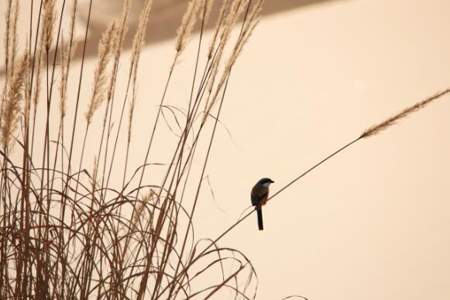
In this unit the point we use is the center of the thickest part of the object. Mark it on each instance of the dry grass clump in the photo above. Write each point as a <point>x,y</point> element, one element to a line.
<point>65,231</point>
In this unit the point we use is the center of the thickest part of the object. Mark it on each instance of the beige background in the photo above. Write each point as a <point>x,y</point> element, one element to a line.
<point>373,223</point>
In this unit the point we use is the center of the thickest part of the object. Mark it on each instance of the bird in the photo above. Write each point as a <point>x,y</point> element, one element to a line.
<point>259,195</point>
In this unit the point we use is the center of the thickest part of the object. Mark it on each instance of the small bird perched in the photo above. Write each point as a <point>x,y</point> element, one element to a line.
<point>259,195</point>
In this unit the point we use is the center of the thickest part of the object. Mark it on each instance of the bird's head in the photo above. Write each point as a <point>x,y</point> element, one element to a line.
<point>265,182</point>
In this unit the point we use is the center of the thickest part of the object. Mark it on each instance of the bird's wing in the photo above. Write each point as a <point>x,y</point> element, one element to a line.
<point>259,194</point>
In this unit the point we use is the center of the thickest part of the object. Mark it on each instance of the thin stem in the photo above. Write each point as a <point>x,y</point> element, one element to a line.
<point>314,166</point>
<point>240,220</point>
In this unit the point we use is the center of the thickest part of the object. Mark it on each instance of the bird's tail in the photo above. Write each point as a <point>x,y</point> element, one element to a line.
<point>260,217</point>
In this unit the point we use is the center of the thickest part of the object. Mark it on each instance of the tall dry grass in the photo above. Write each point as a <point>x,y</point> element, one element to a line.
<point>67,232</point>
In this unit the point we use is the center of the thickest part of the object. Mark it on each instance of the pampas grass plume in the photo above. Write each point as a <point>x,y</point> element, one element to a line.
<point>11,109</point>
<point>373,130</point>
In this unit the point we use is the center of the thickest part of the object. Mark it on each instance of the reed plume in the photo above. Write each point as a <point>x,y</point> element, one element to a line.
<point>68,50</point>
<point>49,21</point>
<point>10,46</point>
<point>252,13</point>
<point>106,48</point>
<point>13,34</point>
<point>187,25</point>
<point>138,42</point>
<point>220,20</point>
<point>139,37</point>
<point>375,129</point>
<point>65,52</point>
<point>15,95</point>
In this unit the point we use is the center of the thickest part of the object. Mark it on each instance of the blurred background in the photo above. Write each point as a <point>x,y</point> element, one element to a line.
<point>373,223</point>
